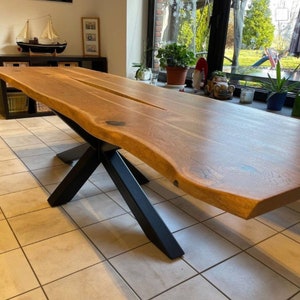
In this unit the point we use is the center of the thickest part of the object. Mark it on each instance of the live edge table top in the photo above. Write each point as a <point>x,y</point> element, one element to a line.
<point>242,160</point>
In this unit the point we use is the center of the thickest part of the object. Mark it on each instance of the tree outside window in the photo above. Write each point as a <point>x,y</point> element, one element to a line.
<point>254,25</point>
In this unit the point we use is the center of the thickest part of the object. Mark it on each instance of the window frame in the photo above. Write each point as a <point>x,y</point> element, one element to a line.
<point>217,39</point>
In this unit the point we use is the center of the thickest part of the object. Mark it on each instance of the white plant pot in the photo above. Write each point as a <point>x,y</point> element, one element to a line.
<point>247,95</point>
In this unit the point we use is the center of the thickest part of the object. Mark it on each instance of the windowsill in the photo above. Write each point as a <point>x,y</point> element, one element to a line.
<point>257,103</point>
<point>286,111</point>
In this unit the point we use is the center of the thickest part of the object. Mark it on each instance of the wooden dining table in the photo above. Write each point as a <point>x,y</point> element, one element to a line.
<point>242,160</point>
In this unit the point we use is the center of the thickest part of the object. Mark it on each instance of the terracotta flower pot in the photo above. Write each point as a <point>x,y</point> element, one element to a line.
<point>176,75</point>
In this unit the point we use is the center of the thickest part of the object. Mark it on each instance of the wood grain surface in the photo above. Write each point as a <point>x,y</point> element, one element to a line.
<point>242,160</point>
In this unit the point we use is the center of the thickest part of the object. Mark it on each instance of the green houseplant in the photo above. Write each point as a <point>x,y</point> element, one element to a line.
<point>176,59</point>
<point>278,88</point>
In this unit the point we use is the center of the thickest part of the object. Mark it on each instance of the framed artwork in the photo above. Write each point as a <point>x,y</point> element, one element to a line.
<point>91,36</point>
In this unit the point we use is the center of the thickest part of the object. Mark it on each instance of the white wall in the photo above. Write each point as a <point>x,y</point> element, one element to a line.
<point>122,26</point>
<point>113,34</point>
<point>136,33</point>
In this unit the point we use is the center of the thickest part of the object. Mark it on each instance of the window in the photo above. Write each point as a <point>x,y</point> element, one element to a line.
<point>201,24</point>
<point>255,47</point>
<point>183,21</point>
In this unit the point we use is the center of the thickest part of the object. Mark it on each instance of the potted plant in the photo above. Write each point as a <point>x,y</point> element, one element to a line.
<point>278,88</point>
<point>176,59</point>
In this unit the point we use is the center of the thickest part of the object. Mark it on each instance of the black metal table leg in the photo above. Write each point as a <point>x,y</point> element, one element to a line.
<point>76,178</point>
<point>75,153</point>
<point>119,170</point>
<point>146,215</point>
<point>72,154</point>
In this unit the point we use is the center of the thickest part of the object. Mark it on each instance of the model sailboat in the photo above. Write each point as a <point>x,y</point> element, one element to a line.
<point>47,42</point>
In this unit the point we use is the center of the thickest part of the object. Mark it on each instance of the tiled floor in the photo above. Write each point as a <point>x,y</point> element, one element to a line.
<point>92,247</point>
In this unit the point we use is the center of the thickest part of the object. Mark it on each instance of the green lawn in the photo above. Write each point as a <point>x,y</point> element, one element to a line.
<point>249,57</point>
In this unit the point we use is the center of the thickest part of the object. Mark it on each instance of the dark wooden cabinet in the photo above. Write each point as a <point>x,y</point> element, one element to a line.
<point>15,104</point>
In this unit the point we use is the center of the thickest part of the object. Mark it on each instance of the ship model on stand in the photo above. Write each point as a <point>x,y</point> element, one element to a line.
<point>48,41</point>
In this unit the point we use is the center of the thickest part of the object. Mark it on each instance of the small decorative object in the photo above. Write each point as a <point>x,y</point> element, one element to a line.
<point>200,74</point>
<point>278,88</point>
<point>49,40</point>
<point>296,106</point>
<point>175,59</point>
<point>91,36</point>
<point>143,73</point>
<point>217,87</point>
<point>247,95</point>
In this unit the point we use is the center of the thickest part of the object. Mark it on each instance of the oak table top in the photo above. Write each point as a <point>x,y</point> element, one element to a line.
<point>242,160</point>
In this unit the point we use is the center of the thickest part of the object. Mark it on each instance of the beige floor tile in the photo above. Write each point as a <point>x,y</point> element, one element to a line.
<point>11,127</point>
<point>3,145</point>
<point>36,294</point>
<point>293,232</point>
<point>147,171</point>
<point>165,188</point>
<point>133,159</point>
<point>149,272</point>
<point>94,283</point>
<point>100,169</point>
<point>39,225</point>
<point>196,208</point>
<point>54,120</point>
<point>53,175</point>
<point>22,202</point>
<point>22,139</point>
<point>174,218</point>
<point>281,254</point>
<point>71,268</point>
<point>242,277</point>
<point>116,235</point>
<point>6,154</point>
<point>72,134</point>
<point>86,191</point>
<point>280,218</point>
<point>196,288</point>
<point>32,150</point>
<point>16,274</point>
<point>35,162</point>
<point>32,123</point>
<point>48,135</point>
<point>103,181</point>
<point>11,166</point>
<point>117,197</point>
<point>153,197</point>
<point>203,248</point>
<point>7,239</point>
<point>61,146</point>
<point>61,255</point>
<point>93,209</point>
<point>243,233</point>
<point>17,182</point>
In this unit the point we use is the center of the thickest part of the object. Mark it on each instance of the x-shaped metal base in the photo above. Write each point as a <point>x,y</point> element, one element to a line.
<point>121,172</point>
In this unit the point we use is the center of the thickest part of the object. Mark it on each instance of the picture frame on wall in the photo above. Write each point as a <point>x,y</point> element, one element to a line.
<point>91,36</point>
